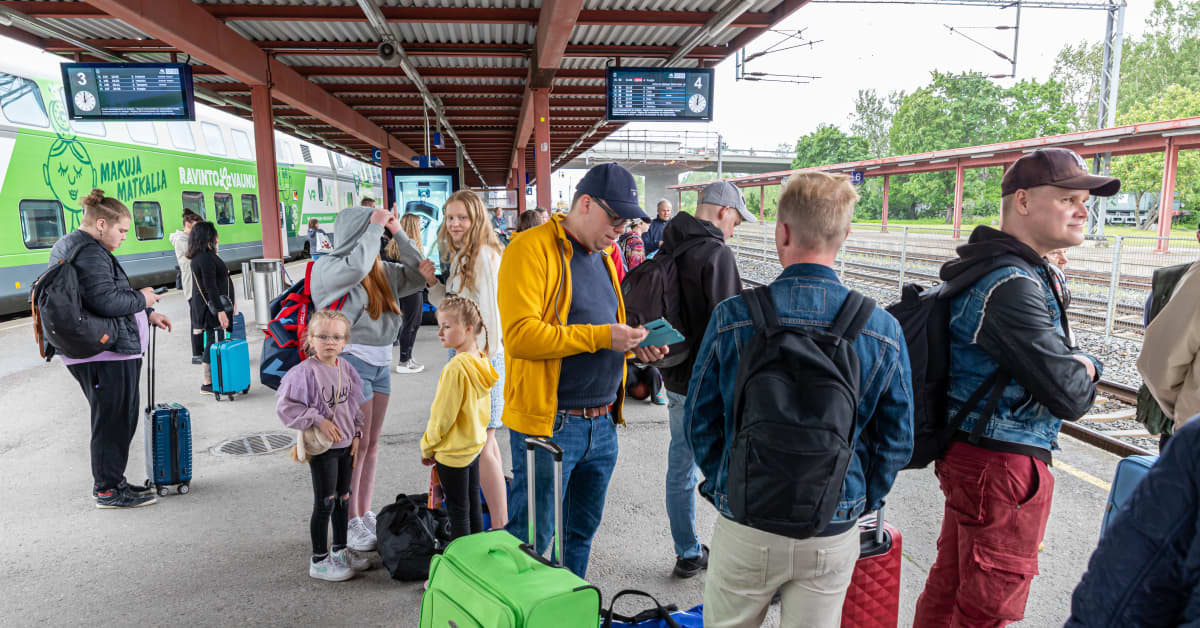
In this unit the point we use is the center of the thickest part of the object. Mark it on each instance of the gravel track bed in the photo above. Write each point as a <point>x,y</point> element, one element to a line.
<point>1118,355</point>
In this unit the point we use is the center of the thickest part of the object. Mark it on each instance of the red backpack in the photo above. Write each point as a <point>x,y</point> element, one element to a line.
<point>282,345</point>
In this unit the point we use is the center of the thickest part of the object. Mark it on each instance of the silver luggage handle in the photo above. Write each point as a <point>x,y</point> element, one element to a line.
<point>533,443</point>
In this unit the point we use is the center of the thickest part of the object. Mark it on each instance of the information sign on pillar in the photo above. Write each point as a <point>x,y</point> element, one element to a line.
<point>269,204</point>
<point>541,138</point>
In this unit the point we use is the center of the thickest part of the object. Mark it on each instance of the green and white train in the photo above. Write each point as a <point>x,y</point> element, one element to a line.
<point>49,163</point>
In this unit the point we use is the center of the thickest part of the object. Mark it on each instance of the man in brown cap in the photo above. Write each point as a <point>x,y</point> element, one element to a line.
<point>1014,377</point>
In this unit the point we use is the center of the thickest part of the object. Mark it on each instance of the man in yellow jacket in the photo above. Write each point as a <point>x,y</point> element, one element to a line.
<point>565,344</point>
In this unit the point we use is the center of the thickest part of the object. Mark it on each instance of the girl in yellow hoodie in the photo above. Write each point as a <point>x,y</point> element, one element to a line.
<point>458,419</point>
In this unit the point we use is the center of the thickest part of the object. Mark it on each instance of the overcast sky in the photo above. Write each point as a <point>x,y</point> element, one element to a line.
<point>884,47</point>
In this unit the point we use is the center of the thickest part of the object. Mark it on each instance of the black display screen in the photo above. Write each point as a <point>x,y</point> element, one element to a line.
<point>660,94</point>
<point>129,91</point>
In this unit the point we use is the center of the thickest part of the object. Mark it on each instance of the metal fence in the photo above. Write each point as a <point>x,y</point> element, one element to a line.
<point>1109,279</point>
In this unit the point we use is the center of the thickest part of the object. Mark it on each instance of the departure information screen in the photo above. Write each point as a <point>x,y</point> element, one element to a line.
<point>129,91</point>
<point>660,94</point>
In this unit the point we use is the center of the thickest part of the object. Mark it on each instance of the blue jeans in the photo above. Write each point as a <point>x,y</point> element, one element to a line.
<point>589,455</point>
<point>682,478</point>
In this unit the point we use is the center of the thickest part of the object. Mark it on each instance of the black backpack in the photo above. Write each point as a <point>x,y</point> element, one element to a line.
<point>795,411</point>
<point>924,315</point>
<point>651,291</point>
<point>60,321</point>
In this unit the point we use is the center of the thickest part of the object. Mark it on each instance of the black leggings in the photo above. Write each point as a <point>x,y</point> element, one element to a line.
<point>411,308</point>
<point>112,391</point>
<point>461,488</point>
<point>331,494</point>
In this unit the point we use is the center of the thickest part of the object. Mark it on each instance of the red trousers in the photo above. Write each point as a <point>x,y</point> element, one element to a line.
<point>996,510</point>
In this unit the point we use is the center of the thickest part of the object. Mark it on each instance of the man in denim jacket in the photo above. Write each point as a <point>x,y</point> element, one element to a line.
<point>1010,322</point>
<point>747,565</point>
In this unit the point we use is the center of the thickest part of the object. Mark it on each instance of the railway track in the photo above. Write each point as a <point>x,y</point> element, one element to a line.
<point>1119,445</point>
<point>1086,310</point>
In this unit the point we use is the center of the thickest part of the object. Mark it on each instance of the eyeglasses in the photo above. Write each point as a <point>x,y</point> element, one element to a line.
<point>324,338</point>
<point>614,219</point>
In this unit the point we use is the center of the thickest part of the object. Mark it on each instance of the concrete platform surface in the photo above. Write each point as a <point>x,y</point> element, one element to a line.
<point>235,550</point>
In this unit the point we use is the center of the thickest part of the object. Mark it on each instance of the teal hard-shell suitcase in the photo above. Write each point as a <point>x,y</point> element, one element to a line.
<point>494,580</point>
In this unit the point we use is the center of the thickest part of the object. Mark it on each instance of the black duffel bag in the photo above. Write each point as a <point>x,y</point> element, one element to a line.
<point>409,534</point>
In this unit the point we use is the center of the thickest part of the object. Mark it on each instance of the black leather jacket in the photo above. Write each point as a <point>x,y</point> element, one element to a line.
<point>104,287</point>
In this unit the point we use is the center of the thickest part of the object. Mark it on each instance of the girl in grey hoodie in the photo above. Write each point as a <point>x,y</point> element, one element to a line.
<point>372,287</point>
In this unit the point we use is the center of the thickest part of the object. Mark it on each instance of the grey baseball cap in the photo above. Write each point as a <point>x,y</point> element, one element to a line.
<point>726,194</point>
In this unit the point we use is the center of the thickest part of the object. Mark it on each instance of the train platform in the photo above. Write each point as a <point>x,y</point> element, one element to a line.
<point>234,551</point>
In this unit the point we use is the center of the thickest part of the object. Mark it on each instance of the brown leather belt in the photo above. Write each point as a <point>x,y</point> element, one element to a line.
<point>588,413</point>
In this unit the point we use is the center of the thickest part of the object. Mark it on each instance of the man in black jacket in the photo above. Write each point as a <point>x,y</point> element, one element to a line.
<point>1010,343</point>
<point>109,379</point>
<point>708,275</point>
<point>654,235</point>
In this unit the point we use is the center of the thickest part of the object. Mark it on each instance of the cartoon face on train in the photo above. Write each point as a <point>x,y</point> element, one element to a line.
<point>69,174</point>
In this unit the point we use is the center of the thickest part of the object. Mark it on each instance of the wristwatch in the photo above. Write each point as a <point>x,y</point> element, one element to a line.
<point>358,434</point>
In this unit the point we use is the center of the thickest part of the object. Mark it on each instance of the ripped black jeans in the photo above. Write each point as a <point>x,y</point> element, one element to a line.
<point>331,495</point>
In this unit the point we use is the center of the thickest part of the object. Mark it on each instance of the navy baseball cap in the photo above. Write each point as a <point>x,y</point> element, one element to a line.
<point>616,187</point>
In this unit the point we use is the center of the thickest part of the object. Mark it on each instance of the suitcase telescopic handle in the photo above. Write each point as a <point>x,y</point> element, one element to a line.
<point>879,525</point>
<point>532,444</point>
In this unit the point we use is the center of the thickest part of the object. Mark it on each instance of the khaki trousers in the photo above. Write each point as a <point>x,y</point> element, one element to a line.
<point>747,566</point>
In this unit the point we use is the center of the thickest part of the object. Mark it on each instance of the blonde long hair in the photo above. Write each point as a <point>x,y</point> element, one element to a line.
<point>480,235</point>
<point>410,224</point>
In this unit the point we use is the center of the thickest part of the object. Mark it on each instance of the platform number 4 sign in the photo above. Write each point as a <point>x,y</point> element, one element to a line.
<point>857,176</point>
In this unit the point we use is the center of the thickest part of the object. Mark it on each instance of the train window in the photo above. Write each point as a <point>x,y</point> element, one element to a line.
<point>306,153</point>
<point>282,152</point>
<point>338,159</point>
<point>195,202</point>
<point>142,132</point>
<point>147,220</point>
<point>181,135</point>
<point>320,190</point>
<point>21,101</point>
<point>224,204</point>
<point>349,199</point>
<point>41,223</point>
<point>241,144</point>
<point>213,138</point>
<point>249,209</point>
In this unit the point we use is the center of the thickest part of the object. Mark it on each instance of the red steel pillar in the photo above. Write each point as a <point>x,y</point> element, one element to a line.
<point>520,181</point>
<point>762,201</point>
<point>385,162</point>
<point>1166,200</point>
<point>268,182</point>
<point>958,197</point>
<point>541,146</point>
<point>887,184</point>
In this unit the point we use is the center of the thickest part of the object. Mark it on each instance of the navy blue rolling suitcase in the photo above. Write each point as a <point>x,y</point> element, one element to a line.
<point>168,431</point>
<point>230,361</point>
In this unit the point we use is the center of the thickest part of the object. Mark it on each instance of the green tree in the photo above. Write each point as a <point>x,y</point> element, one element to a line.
<point>872,120</point>
<point>828,145</point>
<point>1142,174</point>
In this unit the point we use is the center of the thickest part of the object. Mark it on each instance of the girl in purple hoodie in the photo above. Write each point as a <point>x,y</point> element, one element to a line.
<point>322,394</point>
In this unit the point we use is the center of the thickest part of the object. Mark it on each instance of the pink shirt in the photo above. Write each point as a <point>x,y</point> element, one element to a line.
<point>143,323</point>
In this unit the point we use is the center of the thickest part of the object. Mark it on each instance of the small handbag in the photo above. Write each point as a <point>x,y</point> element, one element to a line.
<point>312,441</point>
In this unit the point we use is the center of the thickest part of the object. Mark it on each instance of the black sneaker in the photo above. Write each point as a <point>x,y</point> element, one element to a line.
<point>778,597</point>
<point>140,489</point>
<point>197,359</point>
<point>688,567</point>
<point>121,498</point>
<point>206,389</point>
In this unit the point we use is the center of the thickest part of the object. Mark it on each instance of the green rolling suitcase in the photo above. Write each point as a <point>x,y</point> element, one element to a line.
<point>493,580</point>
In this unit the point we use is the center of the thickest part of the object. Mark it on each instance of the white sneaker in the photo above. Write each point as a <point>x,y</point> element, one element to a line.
<point>351,559</point>
<point>358,537</point>
<point>369,519</point>
<point>329,569</point>
<point>409,367</point>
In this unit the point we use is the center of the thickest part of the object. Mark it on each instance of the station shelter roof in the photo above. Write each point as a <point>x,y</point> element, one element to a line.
<point>481,58</point>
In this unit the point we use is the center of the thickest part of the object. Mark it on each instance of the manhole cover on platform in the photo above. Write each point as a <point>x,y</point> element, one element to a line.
<point>255,444</point>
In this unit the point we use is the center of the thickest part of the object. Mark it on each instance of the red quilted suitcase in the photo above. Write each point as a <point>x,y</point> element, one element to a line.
<point>873,599</point>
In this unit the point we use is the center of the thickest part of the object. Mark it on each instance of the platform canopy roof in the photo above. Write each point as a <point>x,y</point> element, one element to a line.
<point>478,59</point>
